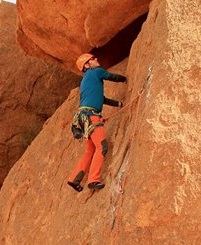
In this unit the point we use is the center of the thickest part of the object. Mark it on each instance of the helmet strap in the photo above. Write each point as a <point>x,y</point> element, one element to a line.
<point>84,69</point>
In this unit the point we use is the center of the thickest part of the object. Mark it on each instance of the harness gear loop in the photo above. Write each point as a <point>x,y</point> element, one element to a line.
<point>82,120</point>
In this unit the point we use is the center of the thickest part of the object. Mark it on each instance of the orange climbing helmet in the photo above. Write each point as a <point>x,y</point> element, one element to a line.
<point>82,60</point>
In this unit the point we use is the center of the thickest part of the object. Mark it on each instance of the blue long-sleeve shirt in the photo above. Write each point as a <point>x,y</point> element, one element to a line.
<point>92,87</point>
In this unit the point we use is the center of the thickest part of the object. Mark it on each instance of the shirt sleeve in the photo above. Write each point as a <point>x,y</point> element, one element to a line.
<point>111,102</point>
<point>103,74</point>
<point>116,77</point>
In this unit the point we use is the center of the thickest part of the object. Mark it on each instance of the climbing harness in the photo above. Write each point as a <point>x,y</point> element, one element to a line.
<point>82,126</point>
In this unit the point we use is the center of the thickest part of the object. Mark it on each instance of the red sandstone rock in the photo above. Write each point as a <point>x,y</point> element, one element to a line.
<point>30,92</point>
<point>152,171</point>
<point>59,31</point>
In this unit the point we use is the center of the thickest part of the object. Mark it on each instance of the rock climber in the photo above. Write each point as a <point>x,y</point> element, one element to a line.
<point>91,103</point>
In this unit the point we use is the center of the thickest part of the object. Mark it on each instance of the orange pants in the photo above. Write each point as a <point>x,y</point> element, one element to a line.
<point>93,158</point>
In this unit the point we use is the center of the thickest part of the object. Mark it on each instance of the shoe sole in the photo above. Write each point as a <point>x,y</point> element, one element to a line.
<point>96,187</point>
<point>78,188</point>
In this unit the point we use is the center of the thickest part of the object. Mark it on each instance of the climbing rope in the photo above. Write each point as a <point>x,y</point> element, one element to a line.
<point>121,184</point>
<point>139,93</point>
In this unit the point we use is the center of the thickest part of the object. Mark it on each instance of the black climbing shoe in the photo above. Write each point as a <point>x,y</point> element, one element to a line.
<point>76,187</point>
<point>96,185</point>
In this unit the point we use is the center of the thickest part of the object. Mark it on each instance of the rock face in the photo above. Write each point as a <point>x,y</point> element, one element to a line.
<point>30,92</point>
<point>59,31</point>
<point>152,172</point>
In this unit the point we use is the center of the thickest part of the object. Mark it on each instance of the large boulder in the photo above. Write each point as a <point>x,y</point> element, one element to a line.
<point>152,172</point>
<point>59,31</point>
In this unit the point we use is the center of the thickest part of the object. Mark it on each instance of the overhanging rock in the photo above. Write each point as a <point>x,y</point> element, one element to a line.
<point>59,31</point>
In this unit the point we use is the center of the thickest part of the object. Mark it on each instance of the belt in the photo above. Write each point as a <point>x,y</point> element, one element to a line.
<point>89,109</point>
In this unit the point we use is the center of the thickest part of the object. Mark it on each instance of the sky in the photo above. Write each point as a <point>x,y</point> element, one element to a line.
<point>10,1</point>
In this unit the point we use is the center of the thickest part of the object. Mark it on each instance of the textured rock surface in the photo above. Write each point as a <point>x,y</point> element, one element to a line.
<point>152,172</point>
<point>30,92</point>
<point>59,31</point>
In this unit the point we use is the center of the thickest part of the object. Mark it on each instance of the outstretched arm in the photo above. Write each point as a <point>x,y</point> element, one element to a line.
<point>111,102</point>
<point>116,77</point>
